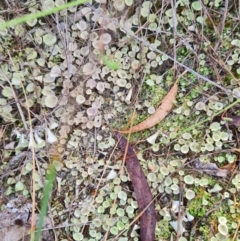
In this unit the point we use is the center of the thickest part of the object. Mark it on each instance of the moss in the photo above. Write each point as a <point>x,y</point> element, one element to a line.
<point>182,53</point>
<point>154,94</point>
<point>205,232</point>
<point>194,93</point>
<point>222,211</point>
<point>211,181</point>
<point>163,230</point>
<point>211,221</point>
<point>135,137</point>
<point>188,80</point>
<point>56,59</point>
<point>196,207</point>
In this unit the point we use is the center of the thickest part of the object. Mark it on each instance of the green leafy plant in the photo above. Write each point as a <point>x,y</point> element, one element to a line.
<point>110,64</point>
<point>46,195</point>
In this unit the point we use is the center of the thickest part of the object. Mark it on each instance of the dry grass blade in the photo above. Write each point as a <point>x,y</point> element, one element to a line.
<point>161,112</point>
<point>1,133</point>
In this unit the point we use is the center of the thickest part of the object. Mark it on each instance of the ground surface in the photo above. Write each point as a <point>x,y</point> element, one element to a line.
<point>69,79</point>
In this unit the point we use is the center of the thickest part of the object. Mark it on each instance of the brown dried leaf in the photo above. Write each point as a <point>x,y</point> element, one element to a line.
<point>230,167</point>
<point>15,233</point>
<point>209,168</point>
<point>236,150</point>
<point>142,191</point>
<point>234,120</point>
<point>15,224</point>
<point>160,113</point>
<point>15,227</point>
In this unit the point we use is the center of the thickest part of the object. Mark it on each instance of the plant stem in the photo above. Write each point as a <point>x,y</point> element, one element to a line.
<point>48,188</point>
<point>41,14</point>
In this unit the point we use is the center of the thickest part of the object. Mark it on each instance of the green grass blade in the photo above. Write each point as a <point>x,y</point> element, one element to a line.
<point>50,177</point>
<point>41,14</point>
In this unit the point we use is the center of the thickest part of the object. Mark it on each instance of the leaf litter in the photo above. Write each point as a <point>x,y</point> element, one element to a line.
<point>141,190</point>
<point>209,168</point>
<point>233,120</point>
<point>161,112</point>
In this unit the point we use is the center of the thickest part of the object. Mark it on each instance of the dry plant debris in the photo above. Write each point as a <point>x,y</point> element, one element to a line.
<point>209,168</point>
<point>15,221</point>
<point>141,190</point>
<point>233,120</point>
<point>160,113</point>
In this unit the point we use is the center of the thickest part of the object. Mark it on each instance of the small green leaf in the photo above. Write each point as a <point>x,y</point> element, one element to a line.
<point>110,64</point>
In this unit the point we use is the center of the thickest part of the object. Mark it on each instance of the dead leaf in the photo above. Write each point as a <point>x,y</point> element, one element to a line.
<point>209,168</point>
<point>15,233</point>
<point>15,224</point>
<point>230,167</point>
<point>236,150</point>
<point>141,190</point>
<point>160,113</point>
<point>233,120</point>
